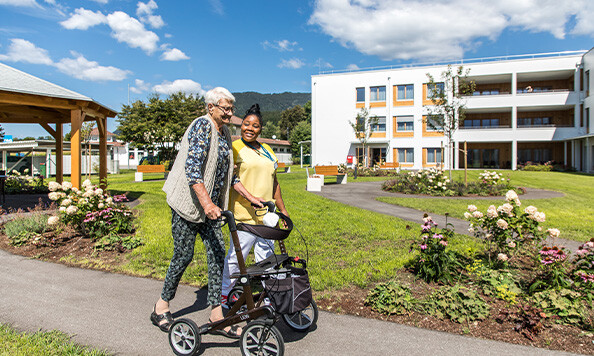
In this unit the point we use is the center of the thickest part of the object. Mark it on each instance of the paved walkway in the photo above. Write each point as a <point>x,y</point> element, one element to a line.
<point>363,195</point>
<point>111,311</point>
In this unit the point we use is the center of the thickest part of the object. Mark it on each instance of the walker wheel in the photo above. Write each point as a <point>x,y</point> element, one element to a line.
<point>260,338</point>
<point>184,338</point>
<point>304,319</point>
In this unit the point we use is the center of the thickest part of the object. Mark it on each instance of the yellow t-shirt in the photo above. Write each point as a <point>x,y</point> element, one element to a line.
<point>256,172</point>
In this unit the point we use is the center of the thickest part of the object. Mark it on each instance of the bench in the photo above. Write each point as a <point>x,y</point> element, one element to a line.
<point>323,171</point>
<point>390,165</point>
<point>147,168</point>
<point>283,168</point>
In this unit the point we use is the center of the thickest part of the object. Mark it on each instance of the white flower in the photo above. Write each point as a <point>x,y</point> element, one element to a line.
<point>72,209</point>
<point>66,185</point>
<point>88,193</point>
<point>53,186</point>
<point>100,205</point>
<point>110,200</point>
<point>530,210</point>
<point>62,209</point>
<point>492,212</point>
<point>75,189</point>
<point>511,244</point>
<point>539,217</point>
<point>467,215</point>
<point>539,228</point>
<point>477,214</point>
<point>53,220</point>
<point>471,230</point>
<point>98,191</point>
<point>87,183</point>
<point>502,224</point>
<point>554,233</point>
<point>502,257</point>
<point>66,202</point>
<point>54,196</point>
<point>472,208</point>
<point>511,195</point>
<point>506,208</point>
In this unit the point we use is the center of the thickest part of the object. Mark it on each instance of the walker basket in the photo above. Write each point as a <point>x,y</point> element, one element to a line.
<point>267,232</point>
<point>290,294</point>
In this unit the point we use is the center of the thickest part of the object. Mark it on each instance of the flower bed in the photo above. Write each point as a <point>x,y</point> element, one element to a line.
<point>17,183</point>
<point>519,279</point>
<point>434,182</point>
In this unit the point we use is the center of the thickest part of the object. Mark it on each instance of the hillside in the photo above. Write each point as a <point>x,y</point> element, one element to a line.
<point>269,102</point>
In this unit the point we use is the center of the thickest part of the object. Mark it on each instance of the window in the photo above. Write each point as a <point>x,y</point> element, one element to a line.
<point>434,155</point>
<point>380,126</point>
<point>587,82</point>
<point>377,94</point>
<point>360,95</point>
<point>405,92</point>
<point>587,119</point>
<point>434,123</point>
<point>404,123</point>
<point>534,121</point>
<point>434,89</point>
<point>406,155</point>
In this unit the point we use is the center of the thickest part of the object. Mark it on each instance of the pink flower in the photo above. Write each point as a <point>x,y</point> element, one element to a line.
<point>423,247</point>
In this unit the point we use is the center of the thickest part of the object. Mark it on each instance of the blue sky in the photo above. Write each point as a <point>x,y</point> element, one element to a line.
<point>101,48</point>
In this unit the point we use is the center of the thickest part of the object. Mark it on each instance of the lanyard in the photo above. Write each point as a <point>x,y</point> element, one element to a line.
<point>266,153</point>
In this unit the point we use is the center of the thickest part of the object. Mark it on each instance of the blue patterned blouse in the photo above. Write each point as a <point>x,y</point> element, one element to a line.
<point>199,140</point>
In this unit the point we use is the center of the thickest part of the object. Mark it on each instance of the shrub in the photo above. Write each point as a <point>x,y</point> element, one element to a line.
<point>528,320</point>
<point>566,304</point>
<point>500,284</point>
<point>457,303</point>
<point>553,275</point>
<point>35,221</point>
<point>529,166</point>
<point>391,298</point>
<point>435,262</point>
<point>24,184</point>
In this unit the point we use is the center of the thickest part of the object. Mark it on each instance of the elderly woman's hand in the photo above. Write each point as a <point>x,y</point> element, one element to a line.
<point>212,211</point>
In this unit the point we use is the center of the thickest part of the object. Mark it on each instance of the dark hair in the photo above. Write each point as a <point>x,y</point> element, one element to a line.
<point>254,110</point>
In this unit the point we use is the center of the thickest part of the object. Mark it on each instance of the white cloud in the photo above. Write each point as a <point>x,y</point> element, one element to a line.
<point>442,29</point>
<point>140,86</point>
<point>353,67</point>
<point>144,11</point>
<point>82,19</point>
<point>81,68</point>
<point>24,3</point>
<point>293,63</point>
<point>183,85</point>
<point>130,31</point>
<point>282,45</point>
<point>217,7</point>
<point>21,50</point>
<point>174,54</point>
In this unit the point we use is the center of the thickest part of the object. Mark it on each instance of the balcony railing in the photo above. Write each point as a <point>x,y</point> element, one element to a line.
<point>537,90</point>
<point>485,127</point>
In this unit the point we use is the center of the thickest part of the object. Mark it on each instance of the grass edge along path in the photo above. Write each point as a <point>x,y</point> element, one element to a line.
<point>345,245</point>
<point>41,343</point>
<point>573,214</point>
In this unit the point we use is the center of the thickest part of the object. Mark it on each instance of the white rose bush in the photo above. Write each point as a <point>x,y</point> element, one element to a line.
<point>17,183</point>
<point>95,213</point>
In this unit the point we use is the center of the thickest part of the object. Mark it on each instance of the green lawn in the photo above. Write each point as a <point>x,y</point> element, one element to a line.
<point>345,245</point>
<point>572,214</point>
<point>41,343</point>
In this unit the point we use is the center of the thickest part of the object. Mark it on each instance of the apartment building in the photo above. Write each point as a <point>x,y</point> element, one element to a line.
<point>529,108</point>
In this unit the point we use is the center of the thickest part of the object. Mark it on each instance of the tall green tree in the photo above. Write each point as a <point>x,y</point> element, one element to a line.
<point>307,108</point>
<point>269,130</point>
<point>1,133</point>
<point>363,127</point>
<point>289,119</point>
<point>449,103</point>
<point>159,124</point>
<point>301,132</point>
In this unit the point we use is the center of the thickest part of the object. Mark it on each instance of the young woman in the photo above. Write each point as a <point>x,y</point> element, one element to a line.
<point>256,169</point>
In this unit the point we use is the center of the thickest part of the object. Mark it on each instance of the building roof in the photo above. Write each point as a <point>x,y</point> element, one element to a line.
<point>16,81</point>
<point>95,132</point>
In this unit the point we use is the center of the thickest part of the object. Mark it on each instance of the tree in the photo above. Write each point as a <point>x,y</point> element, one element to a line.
<point>67,136</point>
<point>269,130</point>
<point>301,132</point>
<point>307,108</point>
<point>363,126</point>
<point>159,124</point>
<point>289,119</point>
<point>449,104</point>
<point>1,133</point>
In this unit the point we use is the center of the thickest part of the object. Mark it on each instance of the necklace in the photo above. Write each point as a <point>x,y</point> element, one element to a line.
<point>257,150</point>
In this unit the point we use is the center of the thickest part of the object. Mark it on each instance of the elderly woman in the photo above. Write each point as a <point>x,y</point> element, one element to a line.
<point>256,169</point>
<point>197,190</point>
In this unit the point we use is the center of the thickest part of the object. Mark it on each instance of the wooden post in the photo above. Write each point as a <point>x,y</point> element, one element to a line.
<point>102,127</point>
<point>59,154</point>
<point>76,120</point>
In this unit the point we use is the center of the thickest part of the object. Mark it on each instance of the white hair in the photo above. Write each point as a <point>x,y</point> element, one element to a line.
<point>213,96</point>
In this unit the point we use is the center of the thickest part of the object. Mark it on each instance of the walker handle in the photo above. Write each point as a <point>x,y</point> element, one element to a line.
<point>228,215</point>
<point>268,204</point>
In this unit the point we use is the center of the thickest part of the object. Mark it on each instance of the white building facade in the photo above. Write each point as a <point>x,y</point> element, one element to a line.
<point>532,108</point>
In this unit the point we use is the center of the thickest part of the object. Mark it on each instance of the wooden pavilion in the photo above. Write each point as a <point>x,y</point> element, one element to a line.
<point>25,99</point>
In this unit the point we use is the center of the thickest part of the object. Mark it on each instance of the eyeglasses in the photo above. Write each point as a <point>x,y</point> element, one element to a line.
<point>227,109</point>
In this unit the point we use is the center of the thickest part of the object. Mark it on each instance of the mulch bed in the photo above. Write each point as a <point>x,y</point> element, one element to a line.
<point>554,336</point>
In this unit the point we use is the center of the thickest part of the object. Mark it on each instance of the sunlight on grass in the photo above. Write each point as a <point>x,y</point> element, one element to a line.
<point>572,214</point>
